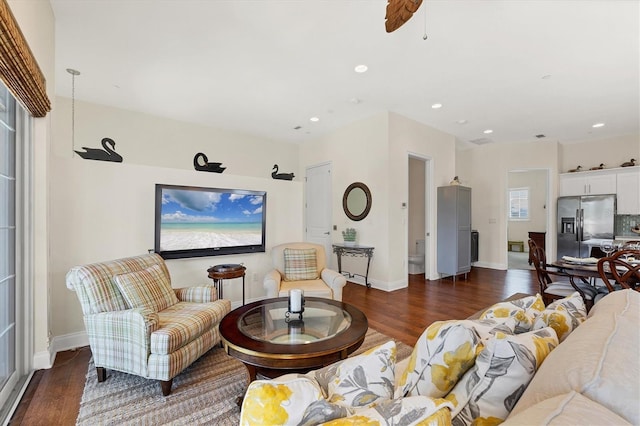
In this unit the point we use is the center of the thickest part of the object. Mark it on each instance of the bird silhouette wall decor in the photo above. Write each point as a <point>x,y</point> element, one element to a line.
<point>201,163</point>
<point>106,154</point>
<point>629,163</point>
<point>281,176</point>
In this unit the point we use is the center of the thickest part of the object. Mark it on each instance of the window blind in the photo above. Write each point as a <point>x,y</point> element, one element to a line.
<point>18,68</point>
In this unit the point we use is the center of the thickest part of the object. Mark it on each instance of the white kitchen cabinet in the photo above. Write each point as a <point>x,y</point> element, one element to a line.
<point>628,191</point>
<point>588,183</point>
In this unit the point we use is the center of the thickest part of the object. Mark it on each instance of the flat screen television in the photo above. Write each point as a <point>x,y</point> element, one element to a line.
<point>194,222</point>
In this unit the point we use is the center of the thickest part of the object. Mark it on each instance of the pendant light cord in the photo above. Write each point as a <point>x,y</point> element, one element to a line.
<point>73,73</point>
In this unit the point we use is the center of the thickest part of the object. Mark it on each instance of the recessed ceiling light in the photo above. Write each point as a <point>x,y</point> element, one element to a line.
<point>314,119</point>
<point>598,125</point>
<point>486,132</point>
<point>436,106</point>
<point>361,68</point>
<point>462,121</point>
<point>355,101</point>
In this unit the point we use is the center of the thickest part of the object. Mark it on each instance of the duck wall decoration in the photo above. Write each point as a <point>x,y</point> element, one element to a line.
<point>600,167</point>
<point>281,176</point>
<point>201,163</point>
<point>629,163</point>
<point>577,169</point>
<point>106,154</point>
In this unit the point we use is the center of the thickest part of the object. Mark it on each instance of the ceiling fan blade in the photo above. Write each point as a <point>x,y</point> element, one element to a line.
<point>399,12</point>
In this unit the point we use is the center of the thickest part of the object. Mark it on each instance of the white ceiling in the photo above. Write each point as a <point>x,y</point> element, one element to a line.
<point>264,67</point>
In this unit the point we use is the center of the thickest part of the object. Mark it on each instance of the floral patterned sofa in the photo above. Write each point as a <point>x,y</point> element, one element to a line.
<point>138,324</point>
<point>521,363</point>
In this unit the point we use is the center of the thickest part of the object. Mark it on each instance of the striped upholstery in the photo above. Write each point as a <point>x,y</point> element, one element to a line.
<point>155,345</point>
<point>182,323</point>
<point>148,288</point>
<point>197,294</point>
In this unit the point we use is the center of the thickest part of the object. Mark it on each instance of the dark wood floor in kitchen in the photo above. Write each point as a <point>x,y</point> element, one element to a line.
<point>53,396</point>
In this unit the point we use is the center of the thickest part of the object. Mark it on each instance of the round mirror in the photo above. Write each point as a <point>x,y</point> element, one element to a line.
<point>356,201</point>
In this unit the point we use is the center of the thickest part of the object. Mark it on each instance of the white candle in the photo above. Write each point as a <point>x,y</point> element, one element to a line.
<point>295,300</point>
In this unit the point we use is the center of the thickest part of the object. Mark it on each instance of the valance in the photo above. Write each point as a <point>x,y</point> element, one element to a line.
<point>18,68</point>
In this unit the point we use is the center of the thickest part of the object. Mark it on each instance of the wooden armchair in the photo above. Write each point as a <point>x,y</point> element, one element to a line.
<point>617,273</point>
<point>552,288</point>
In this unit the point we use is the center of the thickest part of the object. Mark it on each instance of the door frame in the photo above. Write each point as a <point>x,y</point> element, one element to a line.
<point>550,251</point>
<point>429,214</point>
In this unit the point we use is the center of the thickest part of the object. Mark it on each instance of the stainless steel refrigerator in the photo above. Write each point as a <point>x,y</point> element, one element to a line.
<point>584,218</point>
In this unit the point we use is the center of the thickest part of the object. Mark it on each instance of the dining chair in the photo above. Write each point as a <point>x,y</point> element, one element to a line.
<point>562,284</point>
<point>619,274</point>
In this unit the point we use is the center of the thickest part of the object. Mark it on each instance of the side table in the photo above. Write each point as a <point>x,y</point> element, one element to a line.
<point>224,272</point>
<point>355,251</point>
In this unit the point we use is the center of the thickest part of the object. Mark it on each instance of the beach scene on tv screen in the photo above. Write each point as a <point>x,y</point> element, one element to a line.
<point>194,219</point>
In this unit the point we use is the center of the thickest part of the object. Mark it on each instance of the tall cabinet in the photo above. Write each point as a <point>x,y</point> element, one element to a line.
<point>454,230</point>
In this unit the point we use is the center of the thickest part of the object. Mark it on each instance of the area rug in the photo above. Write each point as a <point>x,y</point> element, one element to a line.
<point>205,393</point>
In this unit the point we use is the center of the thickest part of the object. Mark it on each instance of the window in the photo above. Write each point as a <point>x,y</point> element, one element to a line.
<point>519,204</point>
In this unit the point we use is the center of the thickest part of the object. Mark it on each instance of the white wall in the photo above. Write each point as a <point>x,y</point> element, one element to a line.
<point>407,137</point>
<point>102,210</point>
<point>375,151</point>
<point>358,153</point>
<point>485,169</point>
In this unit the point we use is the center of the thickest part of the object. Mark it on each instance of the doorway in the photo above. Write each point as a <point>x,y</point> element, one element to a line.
<point>419,212</point>
<point>527,201</point>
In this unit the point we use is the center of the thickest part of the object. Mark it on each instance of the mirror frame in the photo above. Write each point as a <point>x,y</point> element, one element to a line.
<point>367,208</point>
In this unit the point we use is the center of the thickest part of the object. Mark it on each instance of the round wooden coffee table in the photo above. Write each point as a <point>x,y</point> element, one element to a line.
<point>268,342</point>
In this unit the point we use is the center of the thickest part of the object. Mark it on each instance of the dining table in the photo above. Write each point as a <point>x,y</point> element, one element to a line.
<point>577,269</point>
<point>586,270</point>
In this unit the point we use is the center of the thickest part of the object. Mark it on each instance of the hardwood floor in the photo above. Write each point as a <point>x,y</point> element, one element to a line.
<point>53,396</point>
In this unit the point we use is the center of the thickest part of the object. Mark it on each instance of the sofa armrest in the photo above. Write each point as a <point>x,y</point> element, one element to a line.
<point>271,283</point>
<point>121,339</point>
<point>334,280</point>
<point>200,294</point>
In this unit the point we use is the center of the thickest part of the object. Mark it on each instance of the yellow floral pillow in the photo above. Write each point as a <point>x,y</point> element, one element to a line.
<point>487,393</point>
<point>365,379</point>
<point>412,410</point>
<point>280,401</point>
<point>563,315</point>
<point>524,310</point>
<point>443,353</point>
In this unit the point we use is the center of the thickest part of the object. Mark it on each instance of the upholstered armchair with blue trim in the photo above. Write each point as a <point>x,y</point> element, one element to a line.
<point>138,324</point>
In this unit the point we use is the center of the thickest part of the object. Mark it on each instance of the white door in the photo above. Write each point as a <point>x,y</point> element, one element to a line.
<point>318,196</point>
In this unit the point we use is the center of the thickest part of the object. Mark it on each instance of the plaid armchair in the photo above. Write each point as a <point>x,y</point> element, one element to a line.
<point>138,324</point>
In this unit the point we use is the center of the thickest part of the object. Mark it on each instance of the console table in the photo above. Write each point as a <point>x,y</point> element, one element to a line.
<point>354,251</point>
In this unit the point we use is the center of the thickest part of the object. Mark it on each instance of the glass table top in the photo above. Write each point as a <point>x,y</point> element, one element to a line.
<point>270,323</point>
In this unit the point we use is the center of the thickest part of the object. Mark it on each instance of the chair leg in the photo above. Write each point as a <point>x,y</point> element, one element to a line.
<point>166,386</point>
<point>102,374</point>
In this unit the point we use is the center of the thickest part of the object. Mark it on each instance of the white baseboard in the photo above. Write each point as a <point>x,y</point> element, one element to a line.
<point>499,266</point>
<point>45,359</point>
<point>69,341</point>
